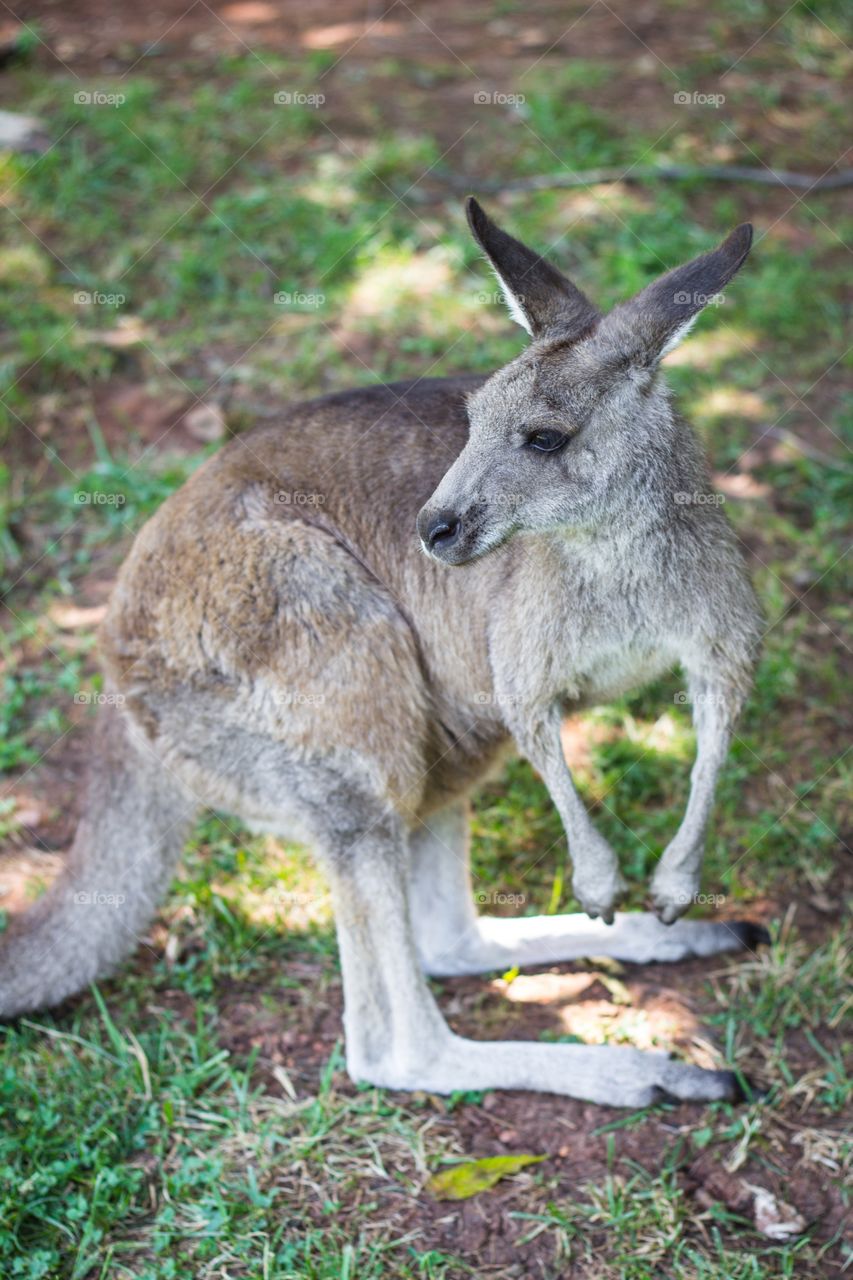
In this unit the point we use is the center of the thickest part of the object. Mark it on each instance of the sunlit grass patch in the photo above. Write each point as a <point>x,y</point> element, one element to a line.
<point>272,884</point>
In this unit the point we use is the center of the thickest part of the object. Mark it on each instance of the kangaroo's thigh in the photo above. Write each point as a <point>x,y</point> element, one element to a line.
<point>289,666</point>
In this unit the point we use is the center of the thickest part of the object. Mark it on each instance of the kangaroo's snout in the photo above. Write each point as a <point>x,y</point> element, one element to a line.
<point>439,531</point>
<point>454,525</point>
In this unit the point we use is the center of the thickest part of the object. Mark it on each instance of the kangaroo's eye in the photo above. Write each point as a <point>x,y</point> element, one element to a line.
<point>546,441</point>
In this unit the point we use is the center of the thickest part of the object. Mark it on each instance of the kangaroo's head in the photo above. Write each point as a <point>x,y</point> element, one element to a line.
<point>559,433</point>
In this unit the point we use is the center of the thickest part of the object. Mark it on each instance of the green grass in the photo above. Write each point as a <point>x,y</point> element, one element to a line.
<point>646,1219</point>
<point>173,1108</point>
<point>140,1134</point>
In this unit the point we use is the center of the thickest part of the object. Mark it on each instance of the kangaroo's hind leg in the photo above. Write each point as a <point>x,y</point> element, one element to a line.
<point>453,939</point>
<point>395,1033</point>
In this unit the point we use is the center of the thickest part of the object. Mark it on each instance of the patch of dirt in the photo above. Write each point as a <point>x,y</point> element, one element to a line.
<point>133,411</point>
<point>446,53</point>
<point>579,1138</point>
<point>90,33</point>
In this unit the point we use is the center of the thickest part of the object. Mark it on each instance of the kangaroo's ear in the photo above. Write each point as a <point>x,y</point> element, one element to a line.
<point>539,297</point>
<point>655,321</point>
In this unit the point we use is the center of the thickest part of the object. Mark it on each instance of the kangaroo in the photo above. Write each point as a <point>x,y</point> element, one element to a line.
<point>341,622</point>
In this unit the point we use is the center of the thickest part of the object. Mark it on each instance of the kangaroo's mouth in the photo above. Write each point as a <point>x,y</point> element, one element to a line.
<point>450,555</point>
<point>460,542</point>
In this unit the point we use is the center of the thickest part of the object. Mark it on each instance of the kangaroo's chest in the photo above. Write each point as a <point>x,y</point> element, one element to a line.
<point>606,672</point>
<point>612,641</point>
<point>582,631</point>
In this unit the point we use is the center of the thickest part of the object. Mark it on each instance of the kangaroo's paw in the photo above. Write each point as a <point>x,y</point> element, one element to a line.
<point>673,892</point>
<point>599,892</point>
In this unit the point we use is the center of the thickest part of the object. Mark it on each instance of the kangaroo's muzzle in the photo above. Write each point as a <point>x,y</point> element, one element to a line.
<point>439,531</point>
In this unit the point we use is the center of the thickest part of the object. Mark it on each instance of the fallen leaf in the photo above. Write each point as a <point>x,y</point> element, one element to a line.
<point>774,1218</point>
<point>619,993</point>
<point>128,331</point>
<point>740,485</point>
<point>69,617</point>
<point>464,1180</point>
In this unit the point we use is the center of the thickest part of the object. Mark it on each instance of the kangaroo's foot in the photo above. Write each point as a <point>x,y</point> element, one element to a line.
<point>489,943</point>
<point>396,1036</point>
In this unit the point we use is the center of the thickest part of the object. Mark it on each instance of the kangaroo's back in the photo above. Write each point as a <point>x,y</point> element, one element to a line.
<point>365,459</point>
<point>356,466</point>
<point>359,464</point>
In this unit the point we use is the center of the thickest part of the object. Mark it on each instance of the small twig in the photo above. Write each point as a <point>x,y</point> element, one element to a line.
<point>816,455</point>
<point>653,173</point>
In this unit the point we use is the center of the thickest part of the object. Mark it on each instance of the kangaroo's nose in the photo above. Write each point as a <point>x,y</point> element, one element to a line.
<point>442,530</point>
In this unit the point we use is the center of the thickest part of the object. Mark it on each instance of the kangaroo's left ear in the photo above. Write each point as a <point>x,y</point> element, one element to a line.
<point>652,323</point>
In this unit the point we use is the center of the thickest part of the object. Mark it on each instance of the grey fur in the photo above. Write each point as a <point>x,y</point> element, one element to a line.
<point>278,645</point>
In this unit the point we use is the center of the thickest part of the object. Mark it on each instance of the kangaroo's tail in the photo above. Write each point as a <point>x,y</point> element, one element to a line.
<point>135,818</point>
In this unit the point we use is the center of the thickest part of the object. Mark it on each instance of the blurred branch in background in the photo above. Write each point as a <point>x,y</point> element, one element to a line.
<point>651,173</point>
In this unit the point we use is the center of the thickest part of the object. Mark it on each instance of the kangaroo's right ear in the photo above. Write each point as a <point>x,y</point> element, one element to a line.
<point>539,297</point>
<point>654,322</point>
